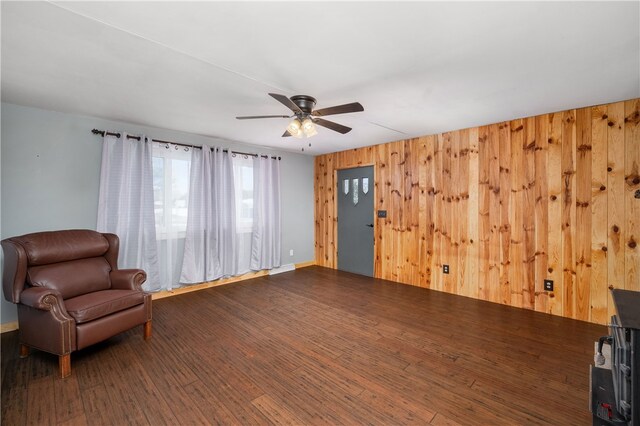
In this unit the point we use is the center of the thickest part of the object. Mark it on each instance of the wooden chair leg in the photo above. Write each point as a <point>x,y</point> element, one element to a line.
<point>147,330</point>
<point>24,351</point>
<point>65,365</point>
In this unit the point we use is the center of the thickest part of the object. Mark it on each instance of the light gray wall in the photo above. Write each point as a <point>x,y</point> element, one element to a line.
<point>50,168</point>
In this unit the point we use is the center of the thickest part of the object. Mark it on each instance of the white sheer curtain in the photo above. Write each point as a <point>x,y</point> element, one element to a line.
<point>243,190</point>
<point>171,176</point>
<point>210,250</point>
<point>125,203</point>
<point>266,235</point>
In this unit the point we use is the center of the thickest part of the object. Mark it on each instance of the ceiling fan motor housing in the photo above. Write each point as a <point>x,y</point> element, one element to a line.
<point>305,103</point>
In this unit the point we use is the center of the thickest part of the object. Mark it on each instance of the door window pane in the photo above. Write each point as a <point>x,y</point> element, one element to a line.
<point>355,191</point>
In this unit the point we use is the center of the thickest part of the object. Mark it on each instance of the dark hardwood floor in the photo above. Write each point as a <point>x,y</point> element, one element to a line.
<point>316,346</point>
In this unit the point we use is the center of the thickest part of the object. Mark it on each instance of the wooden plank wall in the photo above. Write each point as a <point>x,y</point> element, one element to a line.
<point>506,206</point>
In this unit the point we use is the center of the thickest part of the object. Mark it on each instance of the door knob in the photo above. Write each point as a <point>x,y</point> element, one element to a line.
<point>370,225</point>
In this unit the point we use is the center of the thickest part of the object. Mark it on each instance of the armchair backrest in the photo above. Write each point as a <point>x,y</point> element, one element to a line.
<point>73,262</point>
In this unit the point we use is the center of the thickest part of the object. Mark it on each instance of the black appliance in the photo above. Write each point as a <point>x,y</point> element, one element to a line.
<point>615,393</point>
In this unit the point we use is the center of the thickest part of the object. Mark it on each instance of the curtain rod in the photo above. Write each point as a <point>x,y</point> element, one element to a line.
<point>105,133</point>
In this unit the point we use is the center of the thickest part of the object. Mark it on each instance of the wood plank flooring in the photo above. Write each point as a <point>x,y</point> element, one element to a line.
<point>316,346</point>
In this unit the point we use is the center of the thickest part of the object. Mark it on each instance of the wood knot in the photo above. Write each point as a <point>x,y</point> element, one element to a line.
<point>553,198</point>
<point>611,287</point>
<point>604,248</point>
<point>633,118</point>
<point>609,169</point>
<point>602,187</point>
<point>632,243</point>
<point>615,229</point>
<point>610,123</point>
<point>605,116</point>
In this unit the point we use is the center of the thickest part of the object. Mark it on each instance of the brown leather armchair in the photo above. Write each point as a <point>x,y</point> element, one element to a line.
<point>70,292</point>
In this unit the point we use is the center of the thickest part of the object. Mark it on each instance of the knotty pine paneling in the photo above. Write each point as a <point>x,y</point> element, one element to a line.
<point>554,213</point>
<point>615,195</point>
<point>599,247</point>
<point>506,206</point>
<point>632,204</point>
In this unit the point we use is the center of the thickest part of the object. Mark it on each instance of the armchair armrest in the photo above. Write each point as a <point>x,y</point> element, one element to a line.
<point>42,298</point>
<point>45,299</point>
<point>128,279</point>
<point>44,321</point>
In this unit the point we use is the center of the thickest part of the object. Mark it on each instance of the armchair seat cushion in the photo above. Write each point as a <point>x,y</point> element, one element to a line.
<point>98,304</point>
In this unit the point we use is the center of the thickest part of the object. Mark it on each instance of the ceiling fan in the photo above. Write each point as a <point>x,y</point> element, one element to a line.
<point>303,125</point>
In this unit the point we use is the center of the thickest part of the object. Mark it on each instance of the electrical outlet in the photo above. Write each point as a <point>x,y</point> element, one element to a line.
<point>291,252</point>
<point>548,285</point>
<point>445,269</point>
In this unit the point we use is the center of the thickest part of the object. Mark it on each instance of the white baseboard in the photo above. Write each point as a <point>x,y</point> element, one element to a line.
<point>284,268</point>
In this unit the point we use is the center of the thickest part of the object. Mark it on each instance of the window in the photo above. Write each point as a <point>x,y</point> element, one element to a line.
<point>243,186</point>
<point>171,176</point>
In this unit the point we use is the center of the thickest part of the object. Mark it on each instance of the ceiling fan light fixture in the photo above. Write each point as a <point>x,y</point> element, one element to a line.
<point>309,128</point>
<point>295,128</point>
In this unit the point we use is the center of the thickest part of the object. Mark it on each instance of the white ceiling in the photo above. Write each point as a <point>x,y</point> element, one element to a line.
<point>417,68</point>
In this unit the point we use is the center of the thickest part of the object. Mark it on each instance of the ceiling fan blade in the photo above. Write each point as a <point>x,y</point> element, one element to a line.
<point>286,102</point>
<point>339,109</point>
<point>331,125</point>
<point>251,117</point>
<point>286,134</point>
